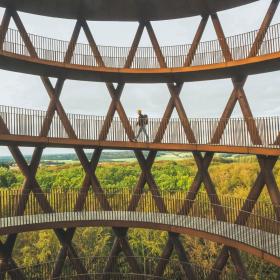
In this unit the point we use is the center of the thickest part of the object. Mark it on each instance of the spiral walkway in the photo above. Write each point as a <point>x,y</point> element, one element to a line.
<point>40,56</point>
<point>257,233</point>
<point>23,127</point>
<point>240,225</point>
<point>258,242</point>
<point>95,267</point>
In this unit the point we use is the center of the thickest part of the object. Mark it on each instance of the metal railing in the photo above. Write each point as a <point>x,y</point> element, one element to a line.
<point>210,52</point>
<point>227,218</point>
<point>120,200</point>
<point>64,201</point>
<point>95,266</point>
<point>234,131</point>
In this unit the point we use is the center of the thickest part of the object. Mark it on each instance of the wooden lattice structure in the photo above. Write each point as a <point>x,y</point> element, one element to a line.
<point>267,158</point>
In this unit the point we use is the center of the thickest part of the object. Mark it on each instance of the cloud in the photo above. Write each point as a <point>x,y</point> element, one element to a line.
<point>201,99</point>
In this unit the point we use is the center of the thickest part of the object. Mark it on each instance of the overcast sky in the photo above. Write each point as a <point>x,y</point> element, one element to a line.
<point>201,99</point>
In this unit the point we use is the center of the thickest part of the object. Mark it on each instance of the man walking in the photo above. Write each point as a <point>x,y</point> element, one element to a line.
<point>142,123</point>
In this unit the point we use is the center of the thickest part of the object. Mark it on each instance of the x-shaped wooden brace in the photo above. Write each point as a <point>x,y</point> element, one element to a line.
<point>116,94</point>
<point>29,171</point>
<point>265,177</point>
<point>55,104</point>
<point>202,168</point>
<point>117,106</point>
<point>31,184</point>
<point>7,263</point>
<point>203,176</point>
<point>142,159</point>
<point>147,164</point>
<point>175,90</point>
<point>238,94</point>
<point>146,175</point>
<point>26,188</point>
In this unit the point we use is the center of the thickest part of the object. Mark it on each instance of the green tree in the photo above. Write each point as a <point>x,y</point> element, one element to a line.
<point>7,177</point>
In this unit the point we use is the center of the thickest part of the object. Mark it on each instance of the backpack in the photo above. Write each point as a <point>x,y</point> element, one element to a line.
<point>145,119</point>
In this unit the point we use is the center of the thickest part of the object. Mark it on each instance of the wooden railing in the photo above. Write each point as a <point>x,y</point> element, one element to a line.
<point>234,131</point>
<point>175,56</point>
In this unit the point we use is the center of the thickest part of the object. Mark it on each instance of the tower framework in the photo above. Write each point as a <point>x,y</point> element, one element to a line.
<point>24,52</point>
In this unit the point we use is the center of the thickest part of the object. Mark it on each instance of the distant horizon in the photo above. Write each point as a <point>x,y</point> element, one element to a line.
<point>68,153</point>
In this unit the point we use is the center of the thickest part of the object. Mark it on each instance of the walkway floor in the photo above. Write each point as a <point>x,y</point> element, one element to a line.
<point>264,241</point>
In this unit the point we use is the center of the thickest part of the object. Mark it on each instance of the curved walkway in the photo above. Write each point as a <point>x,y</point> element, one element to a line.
<point>28,65</point>
<point>95,266</point>
<point>111,63</point>
<point>254,241</point>
<point>24,126</point>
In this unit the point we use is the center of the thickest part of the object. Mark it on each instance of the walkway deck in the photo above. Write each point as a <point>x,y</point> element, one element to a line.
<point>224,220</point>
<point>106,63</point>
<point>95,270</point>
<point>25,129</point>
<point>258,242</point>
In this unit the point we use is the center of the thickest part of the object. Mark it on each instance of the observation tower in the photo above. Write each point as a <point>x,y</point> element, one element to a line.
<point>241,226</point>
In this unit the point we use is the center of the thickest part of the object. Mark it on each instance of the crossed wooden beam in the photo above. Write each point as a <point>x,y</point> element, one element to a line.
<point>266,176</point>
<point>201,162</point>
<point>121,243</point>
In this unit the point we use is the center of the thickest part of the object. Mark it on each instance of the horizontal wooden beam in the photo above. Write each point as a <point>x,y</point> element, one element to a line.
<point>34,66</point>
<point>34,141</point>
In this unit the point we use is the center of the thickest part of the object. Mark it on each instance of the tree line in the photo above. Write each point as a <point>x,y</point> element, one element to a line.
<point>231,177</point>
